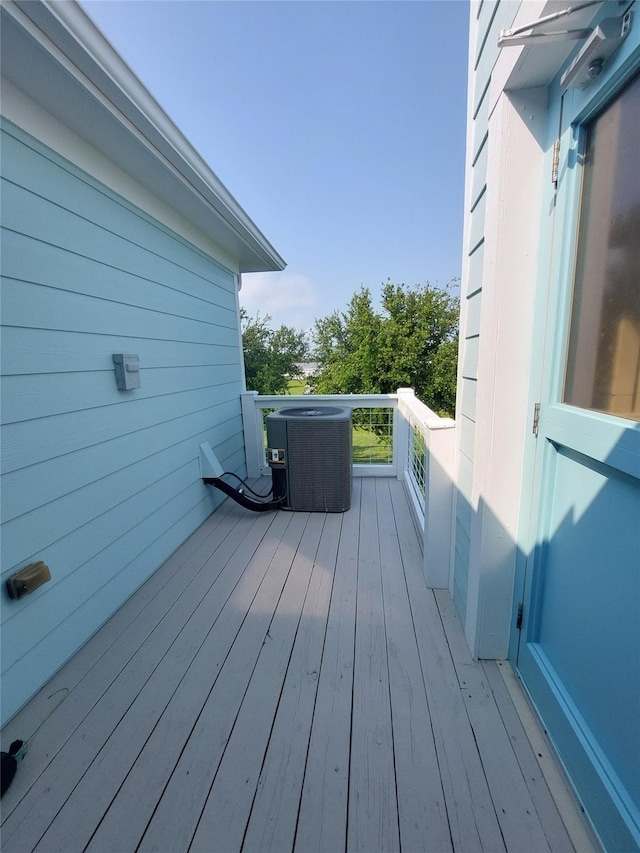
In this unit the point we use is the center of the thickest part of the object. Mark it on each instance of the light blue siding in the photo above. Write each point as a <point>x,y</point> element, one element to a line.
<point>470,364</point>
<point>478,215</point>
<point>479,172</point>
<point>102,485</point>
<point>469,397</point>
<point>474,285</point>
<point>481,121</point>
<point>486,16</point>
<point>466,437</point>
<point>495,16</point>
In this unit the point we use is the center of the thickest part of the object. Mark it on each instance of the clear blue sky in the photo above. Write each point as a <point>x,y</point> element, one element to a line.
<point>338,126</point>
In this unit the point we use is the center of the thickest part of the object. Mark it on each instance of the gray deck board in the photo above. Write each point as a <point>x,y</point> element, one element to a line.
<point>285,681</point>
<point>373,811</point>
<point>421,803</point>
<point>322,818</point>
<point>273,819</point>
<point>519,821</point>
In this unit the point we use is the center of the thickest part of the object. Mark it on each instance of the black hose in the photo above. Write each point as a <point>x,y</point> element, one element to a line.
<point>240,497</point>
<point>247,486</point>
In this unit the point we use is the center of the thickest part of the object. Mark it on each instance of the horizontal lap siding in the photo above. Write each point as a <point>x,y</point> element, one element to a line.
<point>100,484</point>
<point>492,17</point>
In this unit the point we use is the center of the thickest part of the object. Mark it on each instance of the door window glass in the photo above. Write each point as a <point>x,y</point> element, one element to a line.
<point>603,362</point>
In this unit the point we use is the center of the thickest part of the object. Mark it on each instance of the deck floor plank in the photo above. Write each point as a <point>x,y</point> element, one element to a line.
<point>421,803</point>
<point>519,821</point>
<point>322,818</point>
<point>272,823</point>
<point>472,818</point>
<point>284,682</point>
<point>56,785</point>
<point>90,672</point>
<point>226,813</point>
<point>196,658</point>
<point>373,812</point>
<point>552,824</point>
<point>176,817</point>
<point>103,642</point>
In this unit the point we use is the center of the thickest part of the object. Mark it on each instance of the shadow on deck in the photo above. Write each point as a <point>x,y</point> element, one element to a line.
<point>285,681</point>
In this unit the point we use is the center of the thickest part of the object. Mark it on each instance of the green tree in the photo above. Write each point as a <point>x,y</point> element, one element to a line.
<point>412,342</point>
<point>270,355</point>
<point>347,348</point>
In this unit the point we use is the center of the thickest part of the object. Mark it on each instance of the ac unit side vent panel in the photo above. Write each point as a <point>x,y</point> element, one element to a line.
<point>319,479</point>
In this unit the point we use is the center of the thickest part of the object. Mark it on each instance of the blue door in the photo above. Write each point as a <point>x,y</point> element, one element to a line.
<point>579,644</point>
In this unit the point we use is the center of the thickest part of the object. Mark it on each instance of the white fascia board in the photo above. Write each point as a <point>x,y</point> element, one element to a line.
<point>60,59</point>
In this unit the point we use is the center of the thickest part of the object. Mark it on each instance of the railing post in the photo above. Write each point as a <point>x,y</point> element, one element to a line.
<point>439,505</point>
<point>252,426</point>
<point>401,433</point>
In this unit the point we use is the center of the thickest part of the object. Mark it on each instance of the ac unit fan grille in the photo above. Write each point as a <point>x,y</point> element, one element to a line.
<point>319,479</point>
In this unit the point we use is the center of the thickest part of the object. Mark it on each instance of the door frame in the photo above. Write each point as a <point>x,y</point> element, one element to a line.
<point>559,229</point>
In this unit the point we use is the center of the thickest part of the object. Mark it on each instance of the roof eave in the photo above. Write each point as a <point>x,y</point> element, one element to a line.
<point>61,60</point>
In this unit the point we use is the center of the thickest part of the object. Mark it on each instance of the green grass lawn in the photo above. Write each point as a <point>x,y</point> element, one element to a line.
<point>296,386</point>
<point>368,448</point>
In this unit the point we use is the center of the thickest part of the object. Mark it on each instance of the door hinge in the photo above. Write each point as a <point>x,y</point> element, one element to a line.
<point>555,163</point>
<point>519,616</point>
<point>536,419</point>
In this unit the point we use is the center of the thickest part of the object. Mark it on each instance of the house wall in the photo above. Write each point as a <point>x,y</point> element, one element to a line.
<point>507,154</point>
<point>100,484</point>
<point>486,20</point>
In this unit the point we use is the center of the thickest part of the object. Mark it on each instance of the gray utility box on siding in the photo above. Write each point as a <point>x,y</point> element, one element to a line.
<point>309,452</point>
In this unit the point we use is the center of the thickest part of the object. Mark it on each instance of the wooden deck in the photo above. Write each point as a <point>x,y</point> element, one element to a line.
<point>285,681</point>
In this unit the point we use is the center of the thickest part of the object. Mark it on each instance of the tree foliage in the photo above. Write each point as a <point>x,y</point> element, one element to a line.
<point>270,355</point>
<point>412,342</point>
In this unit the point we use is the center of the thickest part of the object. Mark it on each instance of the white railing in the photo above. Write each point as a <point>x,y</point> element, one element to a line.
<point>421,455</point>
<point>428,474</point>
<point>255,406</point>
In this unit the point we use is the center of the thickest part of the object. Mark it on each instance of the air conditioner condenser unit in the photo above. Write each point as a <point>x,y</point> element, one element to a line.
<point>309,453</point>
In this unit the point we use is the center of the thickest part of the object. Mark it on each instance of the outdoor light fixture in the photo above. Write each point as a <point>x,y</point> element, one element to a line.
<point>27,580</point>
